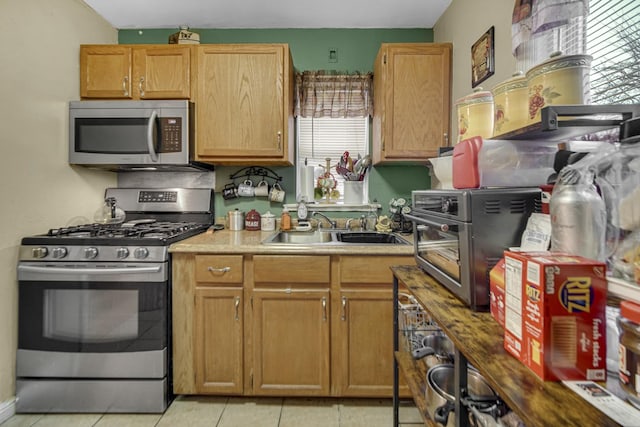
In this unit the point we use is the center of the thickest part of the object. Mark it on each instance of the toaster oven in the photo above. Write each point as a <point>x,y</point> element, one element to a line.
<point>460,235</point>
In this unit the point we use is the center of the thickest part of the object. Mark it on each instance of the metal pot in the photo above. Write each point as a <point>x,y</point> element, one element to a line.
<point>440,395</point>
<point>437,349</point>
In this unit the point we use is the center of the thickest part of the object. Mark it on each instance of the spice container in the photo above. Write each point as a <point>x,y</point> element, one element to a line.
<point>268,222</point>
<point>629,323</point>
<point>252,220</point>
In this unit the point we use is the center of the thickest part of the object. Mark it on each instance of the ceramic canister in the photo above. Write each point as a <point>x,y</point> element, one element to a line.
<point>510,104</point>
<point>475,115</point>
<point>560,80</point>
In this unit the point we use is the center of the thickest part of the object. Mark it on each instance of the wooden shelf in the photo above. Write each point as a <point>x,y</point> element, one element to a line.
<point>480,339</point>
<point>414,374</point>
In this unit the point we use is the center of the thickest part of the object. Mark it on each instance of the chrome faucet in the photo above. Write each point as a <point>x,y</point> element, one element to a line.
<point>333,224</point>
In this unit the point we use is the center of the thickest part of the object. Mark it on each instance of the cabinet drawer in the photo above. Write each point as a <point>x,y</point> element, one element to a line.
<point>291,269</point>
<point>223,269</point>
<point>370,269</point>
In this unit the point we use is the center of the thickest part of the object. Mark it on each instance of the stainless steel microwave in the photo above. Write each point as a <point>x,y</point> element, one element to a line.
<point>133,135</point>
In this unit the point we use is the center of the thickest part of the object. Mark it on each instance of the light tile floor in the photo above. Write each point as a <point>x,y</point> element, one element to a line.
<point>201,411</point>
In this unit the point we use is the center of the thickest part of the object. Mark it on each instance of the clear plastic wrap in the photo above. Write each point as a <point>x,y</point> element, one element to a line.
<point>614,169</point>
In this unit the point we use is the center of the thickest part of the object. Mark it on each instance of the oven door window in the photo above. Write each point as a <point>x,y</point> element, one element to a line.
<point>95,318</point>
<point>440,246</point>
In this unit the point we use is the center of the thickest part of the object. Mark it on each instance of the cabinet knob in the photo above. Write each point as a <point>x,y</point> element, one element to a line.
<point>279,140</point>
<point>125,86</point>
<point>141,86</point>
<point>237,307</point>
<point>218,270</point>
<point>324,309</point>
<point>343,316</point>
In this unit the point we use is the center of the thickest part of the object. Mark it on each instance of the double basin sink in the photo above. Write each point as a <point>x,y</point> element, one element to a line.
<point>333,237</point>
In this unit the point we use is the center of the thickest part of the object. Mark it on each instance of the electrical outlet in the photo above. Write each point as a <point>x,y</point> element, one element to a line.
<point>333,54</point>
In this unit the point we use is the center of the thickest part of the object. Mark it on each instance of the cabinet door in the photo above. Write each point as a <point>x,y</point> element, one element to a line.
<point>105,71</point>
<point>242,92</point>
<point>365,345</point>
<point>217,341</point>
<point>291,342</point>
<point>412,99</point>
<point>162,72</point>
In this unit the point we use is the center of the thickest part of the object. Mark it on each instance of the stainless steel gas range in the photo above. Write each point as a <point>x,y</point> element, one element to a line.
<point>94,318</point>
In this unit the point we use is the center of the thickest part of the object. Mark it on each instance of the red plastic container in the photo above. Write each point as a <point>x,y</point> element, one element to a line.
<point>465,163</point>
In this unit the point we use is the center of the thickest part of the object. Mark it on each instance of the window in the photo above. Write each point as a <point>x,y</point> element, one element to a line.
<point>612,40</point>
<point>325,137</point>
<point>332,115</point>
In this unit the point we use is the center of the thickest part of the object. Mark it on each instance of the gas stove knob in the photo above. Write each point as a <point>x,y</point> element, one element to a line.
<point>59,252</point>
<point>40,252</point>
<point>141,253</point>
<point>122,253</point>
<point>90,253</point>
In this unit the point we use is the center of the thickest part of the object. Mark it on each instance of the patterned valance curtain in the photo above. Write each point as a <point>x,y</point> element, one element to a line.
<point>329,94</point>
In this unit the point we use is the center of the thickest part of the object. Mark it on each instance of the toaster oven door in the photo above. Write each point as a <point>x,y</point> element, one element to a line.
<point>442,249</point>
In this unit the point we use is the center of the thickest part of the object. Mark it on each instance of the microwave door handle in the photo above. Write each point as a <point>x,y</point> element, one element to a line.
<point>150,141</point>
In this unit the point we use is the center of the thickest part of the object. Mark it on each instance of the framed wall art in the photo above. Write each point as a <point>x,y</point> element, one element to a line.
<point>482,58</point>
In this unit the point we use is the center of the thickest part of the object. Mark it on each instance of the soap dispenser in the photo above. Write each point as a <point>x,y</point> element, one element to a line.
<point>285,220</point>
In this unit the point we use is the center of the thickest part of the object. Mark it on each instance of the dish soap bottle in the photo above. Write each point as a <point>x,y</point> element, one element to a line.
<point>285,220</point>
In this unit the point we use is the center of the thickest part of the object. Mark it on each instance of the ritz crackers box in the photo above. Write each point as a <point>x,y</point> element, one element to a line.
<point>555,314</point>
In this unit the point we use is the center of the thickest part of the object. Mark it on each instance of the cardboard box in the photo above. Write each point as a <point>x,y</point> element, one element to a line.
<point>496,292</point>
<point>555,314</point>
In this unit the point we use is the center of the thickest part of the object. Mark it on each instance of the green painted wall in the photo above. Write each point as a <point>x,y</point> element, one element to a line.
<point>356,51</point>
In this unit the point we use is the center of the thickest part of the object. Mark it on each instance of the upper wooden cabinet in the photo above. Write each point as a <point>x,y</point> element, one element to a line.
<point>135,71</point>
<point>412,97</point>
<point>244,104</point>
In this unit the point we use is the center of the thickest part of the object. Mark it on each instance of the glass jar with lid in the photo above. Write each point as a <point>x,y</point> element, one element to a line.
<point>629,371</point>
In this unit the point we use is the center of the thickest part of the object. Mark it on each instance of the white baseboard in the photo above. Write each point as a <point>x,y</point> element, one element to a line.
<point>7,410</point>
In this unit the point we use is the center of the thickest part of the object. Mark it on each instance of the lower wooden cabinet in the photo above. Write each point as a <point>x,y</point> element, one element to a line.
<point>283,325</point>
<point>364,344</point>
<point>291,342</point>
<point>218,341</point>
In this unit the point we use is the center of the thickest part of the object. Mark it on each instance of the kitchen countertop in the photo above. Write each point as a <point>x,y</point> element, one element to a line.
<point>249,242</point>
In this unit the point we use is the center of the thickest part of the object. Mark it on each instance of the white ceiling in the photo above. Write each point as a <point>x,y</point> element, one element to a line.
<point>130,14</point>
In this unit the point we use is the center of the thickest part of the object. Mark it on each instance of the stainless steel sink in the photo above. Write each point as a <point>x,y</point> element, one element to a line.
<point>300,237</point>
<point>333,237</point>
<point>371,238</point>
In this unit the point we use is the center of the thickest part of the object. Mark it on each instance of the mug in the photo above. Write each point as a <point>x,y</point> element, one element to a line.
<point>262,189</point>
<point>246,189</point>
<point>277,193</point>
<point>229,192</point>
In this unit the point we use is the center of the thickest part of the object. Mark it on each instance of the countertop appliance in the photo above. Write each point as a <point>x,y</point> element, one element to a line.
<point>460,235</point>
<point>94,318</point>
<point>133,135</point>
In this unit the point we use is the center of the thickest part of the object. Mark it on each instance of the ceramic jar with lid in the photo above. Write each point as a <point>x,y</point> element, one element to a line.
<point>510,104</point>
<point>475,115</point>
<point>268,222</point>
<point>252,220</point>
<point>561,80</point>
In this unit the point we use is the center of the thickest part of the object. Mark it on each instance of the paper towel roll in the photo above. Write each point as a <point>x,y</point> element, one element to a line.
<point>307,183</point>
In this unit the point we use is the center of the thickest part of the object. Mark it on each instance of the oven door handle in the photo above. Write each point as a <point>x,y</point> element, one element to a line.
<point>97,271</point>
<point>440,225</point>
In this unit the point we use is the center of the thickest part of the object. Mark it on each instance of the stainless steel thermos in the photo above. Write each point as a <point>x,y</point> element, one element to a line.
<point>578,220</point>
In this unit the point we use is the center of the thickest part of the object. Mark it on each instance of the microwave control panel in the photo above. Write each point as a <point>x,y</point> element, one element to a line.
<point>170,135</point>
